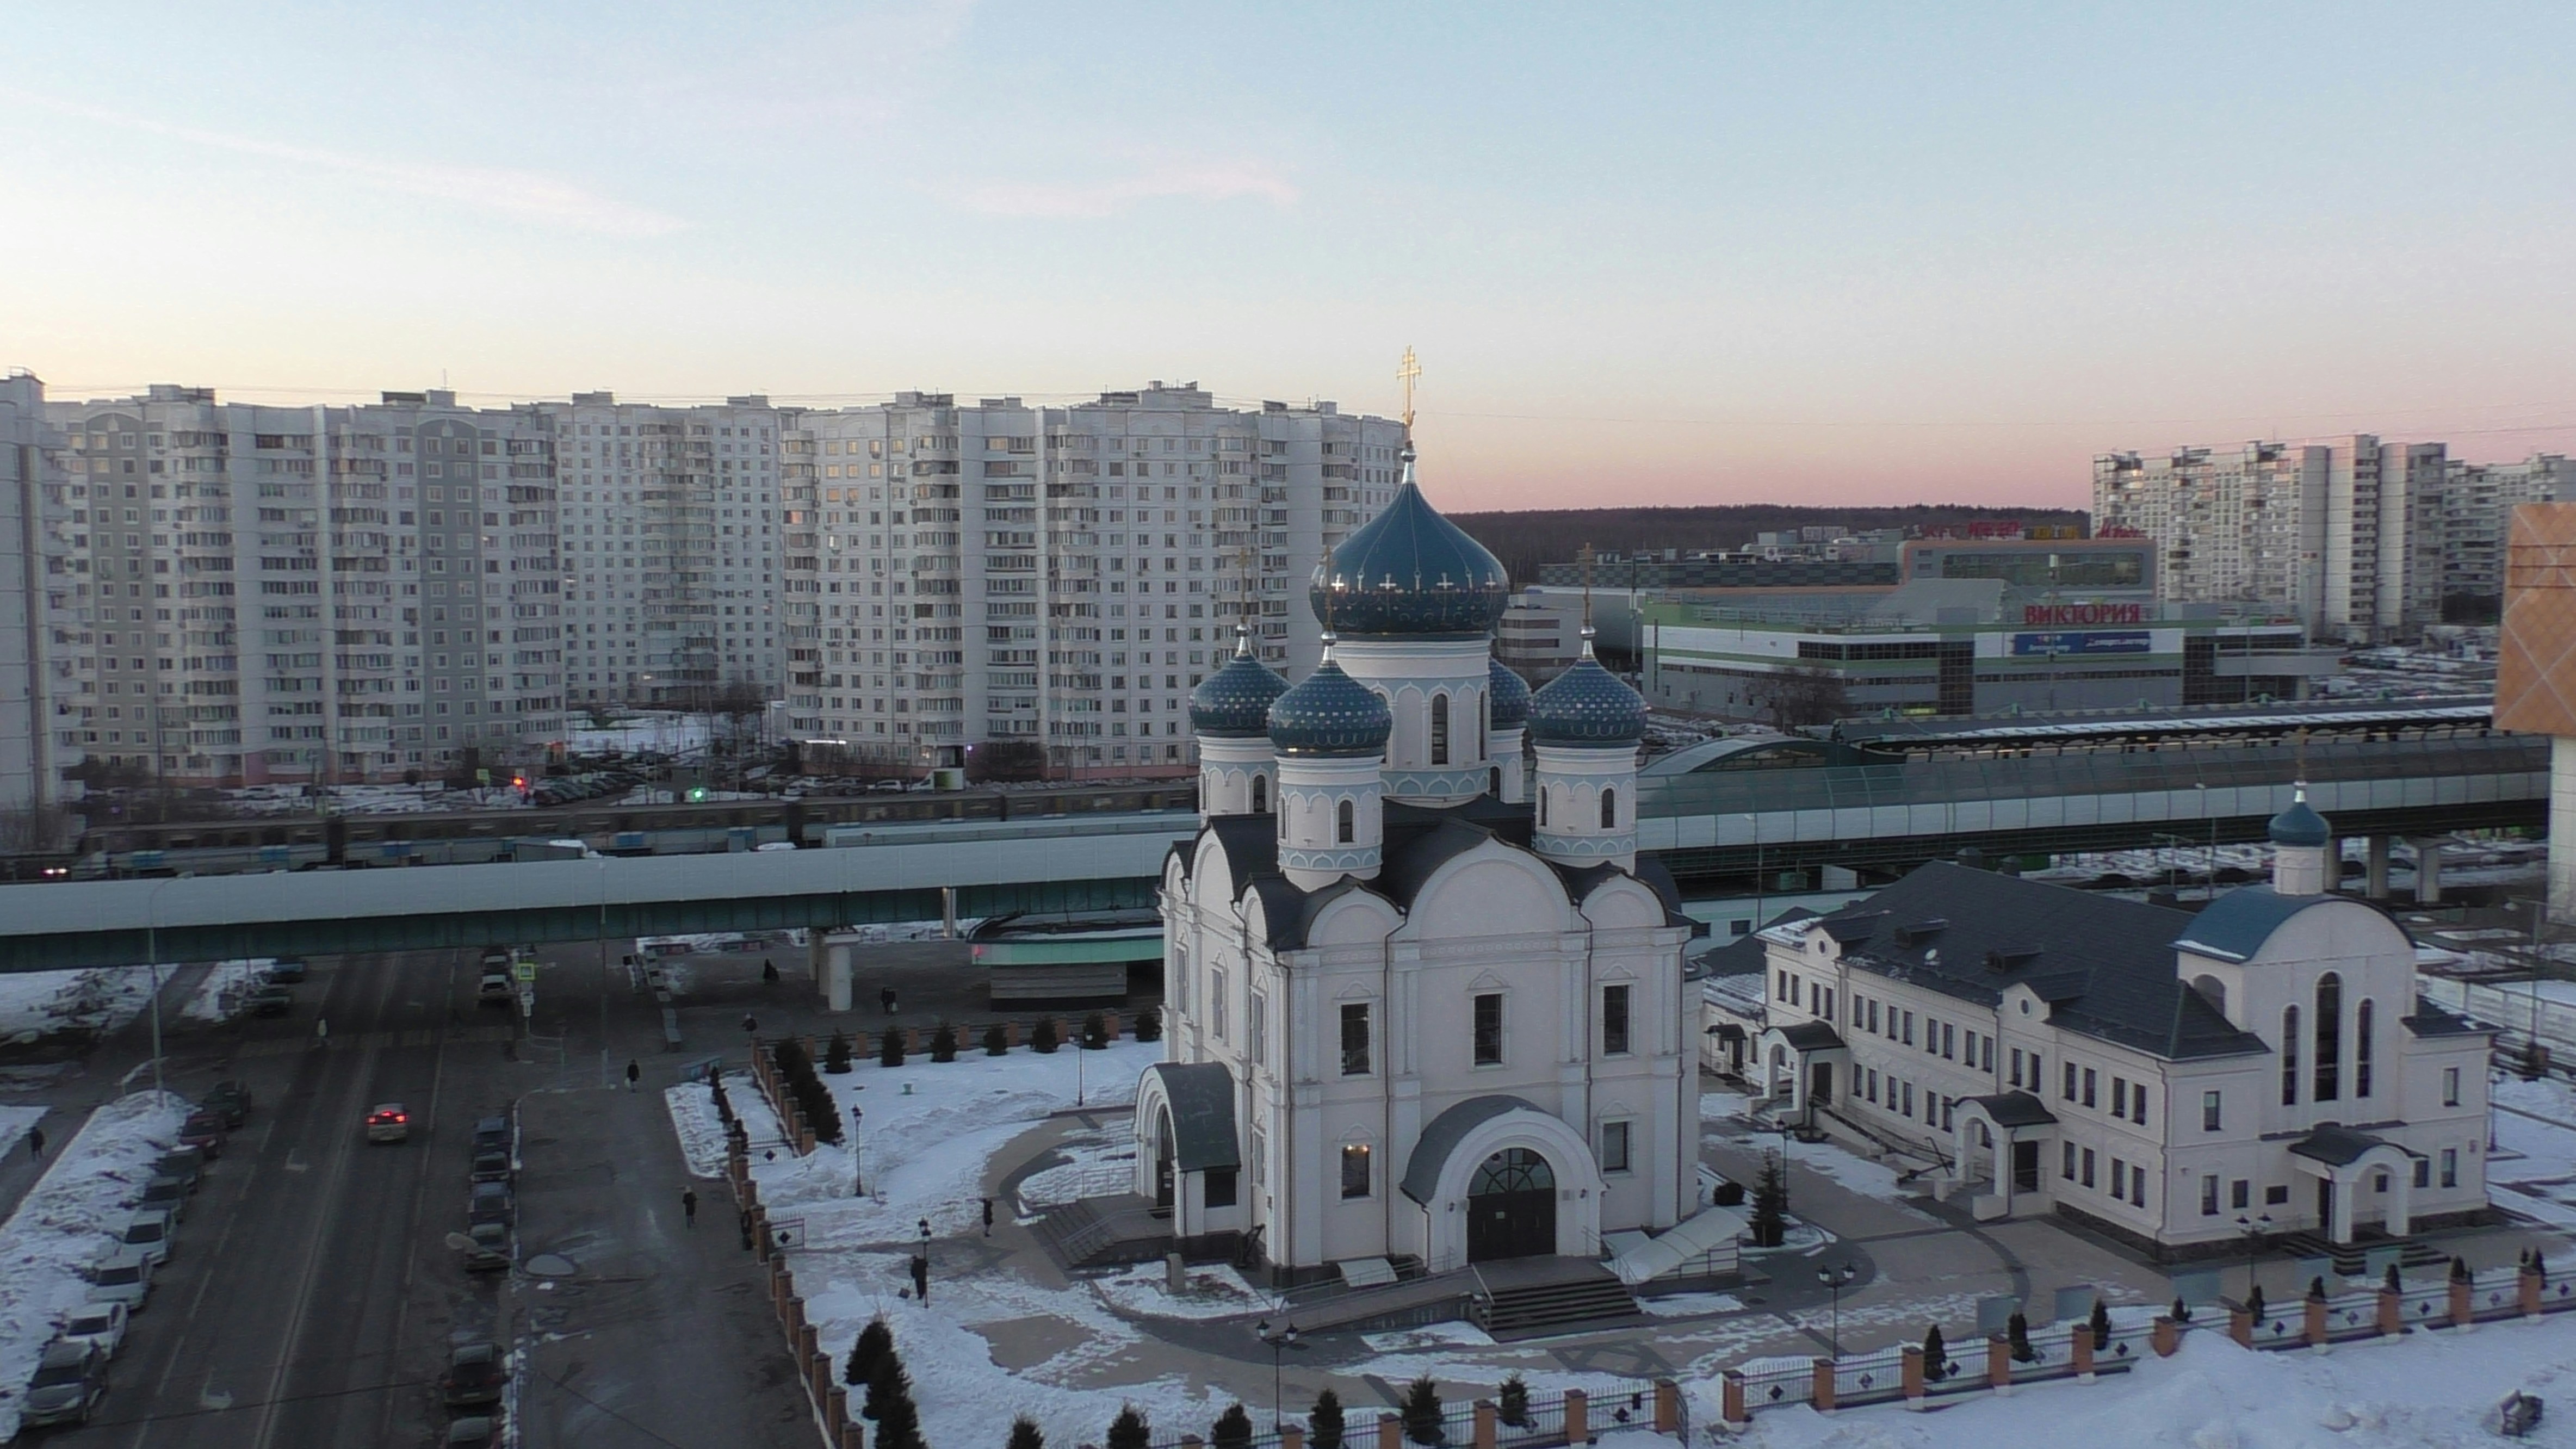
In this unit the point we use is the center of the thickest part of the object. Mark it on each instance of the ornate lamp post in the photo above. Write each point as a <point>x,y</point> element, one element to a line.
<point>1836,1279</point>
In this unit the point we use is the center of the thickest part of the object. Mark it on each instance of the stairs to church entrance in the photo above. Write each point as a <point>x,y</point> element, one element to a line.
<point>1105,1232</point>
<point>2352,1260</point>
<point>1531,1297</point>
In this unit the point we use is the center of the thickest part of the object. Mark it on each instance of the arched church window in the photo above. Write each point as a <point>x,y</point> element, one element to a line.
<point>1543,793</point>
<point>1344,828</point>
<point>1439,729</point>
<point>2361,1048</point>
<point>1260,793</point>
<point>2329,1037</point>
<point>2289,1056</point>
<point>1496,788</point>
<point>1609,809</point>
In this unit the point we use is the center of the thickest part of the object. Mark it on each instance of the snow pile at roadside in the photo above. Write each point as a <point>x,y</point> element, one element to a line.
<point>701,1132</point>
<point>2425,1391</point>
<point>34,1004</point>
<point>225,993</point>
<point>67,1219</point>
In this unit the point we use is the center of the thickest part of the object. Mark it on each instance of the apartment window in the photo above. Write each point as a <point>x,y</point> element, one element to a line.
<point>1949,1041</point>
<point>2015,1061</point>
<point>2070,1161</point>
<point>1909,1099</point>
<point>1355,1039</point>
<point>1220,1187</point>
<point>1909,1028</point>
<point>1825,1002</point>
<point>2209,1196</point>
<point>2450,1167</point>
<point>2119,1178</point>
<point>1489,1029</point>
<point>2138,1103</point>
<point>2450,1086</point>
<point>2089,1083</point>
<point>2087,1177</point>
<point>1614,1147</point>
<point>2423,1172</point>
<point>1439,729</point>
<point>1873,1013</point>
<point>2240,1194</point>
<point>2119,1096</point>
<point>1614,1021</point>
<point>2276,1195</point>
<point>1986,1054</point>
<point>2137,1187</point>
<point>2070,1081</point>
<point>1355,1170</point>
<point>2209,1111</point>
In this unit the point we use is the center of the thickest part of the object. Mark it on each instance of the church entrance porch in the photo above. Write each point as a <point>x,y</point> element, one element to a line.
<point>1511,1207</point>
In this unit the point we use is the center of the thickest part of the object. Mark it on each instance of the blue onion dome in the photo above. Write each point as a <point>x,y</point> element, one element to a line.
<point>1329,713</point>
<point>1587,705</point>
<point>1234,702</point>
<point>1410,574</point>
<point>1507,696</point>
<point>2300,824</point>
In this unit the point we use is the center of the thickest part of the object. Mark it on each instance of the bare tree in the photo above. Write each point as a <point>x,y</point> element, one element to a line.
<point>1802,694</point>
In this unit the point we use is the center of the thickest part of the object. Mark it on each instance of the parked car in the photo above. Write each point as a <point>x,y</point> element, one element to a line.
<point>491,1164</point>
<point>121,1275</point>
<point>230,1100</point>
<point>495,988</point>
<point>147,1232</point>
<point>182,1162</point>
<point>272,1001</point>
<point>475,1375</point>
<point>101,1325</point>
<point>288,969</point>
<point>166,1193</point>
<point>490,1203</point>
<point>69,1382</point>
<point>491,1132</point>
<point>490,1252</point>
<point>474,1431</point>
<point>389,1122</point>
<point>203,1131</point>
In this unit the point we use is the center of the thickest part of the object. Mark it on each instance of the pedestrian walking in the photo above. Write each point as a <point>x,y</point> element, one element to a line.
<point>689,1205</point>
<point>750,1024</point>
<point>988,1217</point>
<point>633,1073</point>
<point>321,1031</point>
<point>921,1278</point>
<point>885,998</point>
<point>36,1143</point>
<point>769,971</point>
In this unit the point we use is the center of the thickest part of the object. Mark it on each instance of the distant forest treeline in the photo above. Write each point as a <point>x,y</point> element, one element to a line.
<point>1523,539</point>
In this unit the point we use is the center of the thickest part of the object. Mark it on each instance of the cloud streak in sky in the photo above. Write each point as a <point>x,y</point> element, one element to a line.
<point>500,190</point>
<point>1192,181</point>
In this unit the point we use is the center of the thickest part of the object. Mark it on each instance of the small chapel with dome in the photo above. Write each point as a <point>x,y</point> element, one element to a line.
<point>1424,999</point>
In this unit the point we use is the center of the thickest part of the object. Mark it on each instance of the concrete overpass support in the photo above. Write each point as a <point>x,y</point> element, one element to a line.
<point>2428,871</point>
<point>830,957</point>
<point>2376,876</point>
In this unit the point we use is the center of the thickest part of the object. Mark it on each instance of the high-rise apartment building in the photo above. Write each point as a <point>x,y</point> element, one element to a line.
<point>30,472</point>
<point>671,535</point>
<point>246,594</point>
<point>1061,576</point>
<point>2364,539</point>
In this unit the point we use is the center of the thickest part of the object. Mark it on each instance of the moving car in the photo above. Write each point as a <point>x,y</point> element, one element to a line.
<point>495,988</point>
<point>490,1203</point>
<point>121,1275</point>
<point>203,1131</point>
<point>272,1001</point>
<point>287,969</point>
<point>101,1325</point>
<point>230,1100</point>
<point>148,1232</point>
<point>389,1122</point>
<point>475,1375</point>
<point>69,1382</point>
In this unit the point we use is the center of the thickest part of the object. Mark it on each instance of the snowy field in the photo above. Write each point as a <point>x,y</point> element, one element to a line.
<point>2425,1391</point>
<point>662,733</point>
<point>65,1222</point>
<point>36,1004</point>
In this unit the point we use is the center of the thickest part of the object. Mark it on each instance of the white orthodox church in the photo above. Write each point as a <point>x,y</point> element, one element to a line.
<point>1423,1000</point>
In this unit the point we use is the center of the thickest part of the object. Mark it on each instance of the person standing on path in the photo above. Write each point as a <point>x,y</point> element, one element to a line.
<point>36,1143</point>
<point>921,1278</point>
<point>988,1217</point>
<point>634,1072</point>
<point>689,1205</point>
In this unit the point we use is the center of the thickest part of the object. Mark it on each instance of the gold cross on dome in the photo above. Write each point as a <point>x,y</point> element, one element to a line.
<point>1405,372</point>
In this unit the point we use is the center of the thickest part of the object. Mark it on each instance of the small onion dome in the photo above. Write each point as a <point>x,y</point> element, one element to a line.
<point>1410,574</point>
<point>1329,713</point>
<point>1234,702</point>
<point>1508,696</point>
<point>1587,705</point>
<point>2300,824</point>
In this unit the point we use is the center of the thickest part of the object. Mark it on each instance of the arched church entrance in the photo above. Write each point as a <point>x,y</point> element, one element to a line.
<point>1163,1161</point>
<point>1511,1207</point>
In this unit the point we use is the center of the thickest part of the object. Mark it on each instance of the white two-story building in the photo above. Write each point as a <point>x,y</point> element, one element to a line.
<point>2172,1079</point>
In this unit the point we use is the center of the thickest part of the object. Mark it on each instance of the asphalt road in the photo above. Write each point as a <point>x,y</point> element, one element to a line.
<point>311,1296</point>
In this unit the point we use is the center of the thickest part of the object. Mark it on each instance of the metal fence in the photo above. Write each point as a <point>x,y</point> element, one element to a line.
<point>1611,1403</point>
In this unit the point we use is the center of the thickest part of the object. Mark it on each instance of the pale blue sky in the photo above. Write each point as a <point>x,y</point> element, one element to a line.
<point>1669,254</point>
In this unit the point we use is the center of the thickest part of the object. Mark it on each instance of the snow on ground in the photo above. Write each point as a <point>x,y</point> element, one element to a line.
<point>66,1220</point>
<point>701,1132</point>
<point>1721,1106</point>
<point>668,734</point>
<point>1852,1171</point>
<point>2425,1391</point>
<point>38,1003</point>
<point>226,990</point>
<point>1214,1292</point>
<point>1691,1305</point>
<point>1099,1165</point>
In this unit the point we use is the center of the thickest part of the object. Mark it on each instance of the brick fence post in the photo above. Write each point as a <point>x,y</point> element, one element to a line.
<point>1910,1375</point>
<point>2166,1336</point>
<point>2463,1307</point>
<point>1390,1432</point>
<point>1484,1424</point>
<point>2392,1313</point>
<point>1109,1023</point>
<point>2529,1286</point>
<point>1010,1033</point>
<point>1291,1437</point>
<point>2240,1326</point>
<point>2080,1344</point>
<point>1668,1407</point>
<point>836,1401</point>
<point>1820,1384</point>
<point>1192,1441</point>
<point>1578,1417</point>
<point>1733,1410</point>
<point>2314,1327</point>
<point>853,1435</point>
<point>1998,1364</point>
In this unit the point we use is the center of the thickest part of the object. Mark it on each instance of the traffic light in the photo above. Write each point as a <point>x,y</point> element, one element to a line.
<point>697,794</point>
<point>519,782</point>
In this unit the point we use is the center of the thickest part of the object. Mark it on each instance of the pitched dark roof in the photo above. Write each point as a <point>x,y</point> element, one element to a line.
<point>1746,955</point>
<point>1811,1036</point>
<point>2015,1109</point>
<point>1202,1100</point>
<point>1443,1133</point>
<point>2338,1146</point>
<point>2105,965</point>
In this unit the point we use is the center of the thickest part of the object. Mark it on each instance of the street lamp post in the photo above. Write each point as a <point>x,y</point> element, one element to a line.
<point>1836,1279</point>
<point>152,949</point>
<point>2254,1230</point>
<point>1285,1338</point>
<point>1758,882</point>
<point>858,1171</point>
